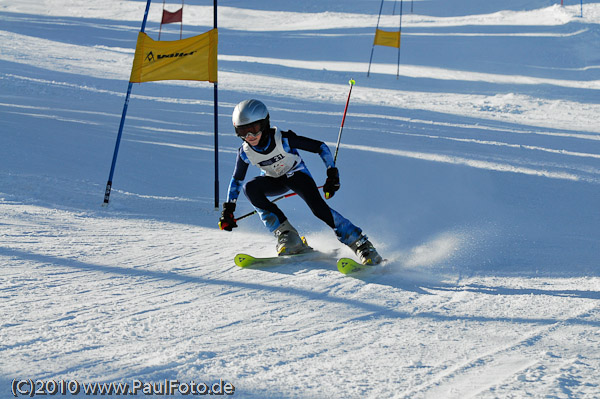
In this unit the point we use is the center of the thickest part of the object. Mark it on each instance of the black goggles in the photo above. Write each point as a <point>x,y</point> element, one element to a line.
<point>251,129</point>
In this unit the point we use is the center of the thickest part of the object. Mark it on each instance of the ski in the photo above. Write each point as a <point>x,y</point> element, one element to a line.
<point>248,261</point>
<point>350,266</point>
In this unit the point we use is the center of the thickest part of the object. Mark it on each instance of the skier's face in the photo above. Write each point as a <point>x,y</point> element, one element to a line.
<point>253,139</point>
<point>251,133</point>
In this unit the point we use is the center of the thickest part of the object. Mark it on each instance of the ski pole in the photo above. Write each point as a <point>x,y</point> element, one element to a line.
<point>337,147</point>
<point>275,200</point>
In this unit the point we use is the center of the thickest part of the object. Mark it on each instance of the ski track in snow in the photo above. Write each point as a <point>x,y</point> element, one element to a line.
<point>489,371</point>
<point>475,173</point>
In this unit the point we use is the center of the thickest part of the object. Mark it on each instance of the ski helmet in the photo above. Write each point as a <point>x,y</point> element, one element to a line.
<point>248,112</point>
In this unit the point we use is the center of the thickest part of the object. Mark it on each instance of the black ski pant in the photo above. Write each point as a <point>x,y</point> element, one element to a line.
<point>258,189</point>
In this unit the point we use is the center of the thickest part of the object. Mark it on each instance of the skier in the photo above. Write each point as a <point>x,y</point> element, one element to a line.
<point>282,169</point>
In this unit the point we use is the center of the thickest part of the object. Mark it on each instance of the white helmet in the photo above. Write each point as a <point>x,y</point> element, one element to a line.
<point>248,112</point>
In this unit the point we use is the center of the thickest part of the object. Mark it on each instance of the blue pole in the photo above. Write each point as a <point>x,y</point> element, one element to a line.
<point>114,160</point>
<point>145,16</point>
<point>581,8</point>
<point>216,112</point>
<point>373,48</point>
<point>400,44</point>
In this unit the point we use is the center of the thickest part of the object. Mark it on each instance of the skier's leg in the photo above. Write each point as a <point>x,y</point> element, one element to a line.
<point>345,230</point>
<point>257,190</point>
<point>353,237</point>
<point>306,188</point>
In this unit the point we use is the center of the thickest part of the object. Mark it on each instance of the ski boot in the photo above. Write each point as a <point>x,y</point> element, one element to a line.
<point>365,251</point>
<point>288,240</point>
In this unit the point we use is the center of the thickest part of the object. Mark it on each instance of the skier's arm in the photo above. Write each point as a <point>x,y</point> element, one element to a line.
<point>235,186</point>
<point>310,145</point>
<point>325,154</point>
<point>332,184</point>
<point>239,174</point>
<point>227,220</point>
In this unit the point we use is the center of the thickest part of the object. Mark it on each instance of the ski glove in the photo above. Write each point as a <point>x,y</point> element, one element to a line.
<point>227,221</point>
<point>332,184</point>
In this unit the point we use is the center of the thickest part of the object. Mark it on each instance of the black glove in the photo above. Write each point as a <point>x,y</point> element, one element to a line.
<point>332,184</point>
<point>227,222</point>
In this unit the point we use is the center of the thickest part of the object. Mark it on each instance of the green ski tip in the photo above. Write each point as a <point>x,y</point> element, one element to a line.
<point>244,260</point>
<point>349,266</point>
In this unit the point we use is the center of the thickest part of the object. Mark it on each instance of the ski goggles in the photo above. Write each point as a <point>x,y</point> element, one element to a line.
<point>250,130</point>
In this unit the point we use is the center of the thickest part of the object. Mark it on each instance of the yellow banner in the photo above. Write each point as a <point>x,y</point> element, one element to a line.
<point>194,58</point>
<point>385,38</point>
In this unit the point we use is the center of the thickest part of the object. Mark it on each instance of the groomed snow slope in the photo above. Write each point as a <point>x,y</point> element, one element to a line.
<point>476,172</point>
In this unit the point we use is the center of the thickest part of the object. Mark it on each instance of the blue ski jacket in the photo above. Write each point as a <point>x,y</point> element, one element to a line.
<point>291,144</point>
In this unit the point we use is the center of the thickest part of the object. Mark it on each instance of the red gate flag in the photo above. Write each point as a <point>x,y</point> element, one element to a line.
<point>170,17</point>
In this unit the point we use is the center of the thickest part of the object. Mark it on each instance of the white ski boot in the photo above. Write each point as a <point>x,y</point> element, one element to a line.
<point>365,251</point>
<point>289,241</point>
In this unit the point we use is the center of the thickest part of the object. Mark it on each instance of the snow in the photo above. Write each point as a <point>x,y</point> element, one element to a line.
<point>476,173</point>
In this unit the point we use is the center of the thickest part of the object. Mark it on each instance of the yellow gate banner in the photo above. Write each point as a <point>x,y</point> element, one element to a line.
<point>194,58</point>
<point>385,38</point>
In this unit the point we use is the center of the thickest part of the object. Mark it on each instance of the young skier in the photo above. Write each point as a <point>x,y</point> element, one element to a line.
<point>282,169</point>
